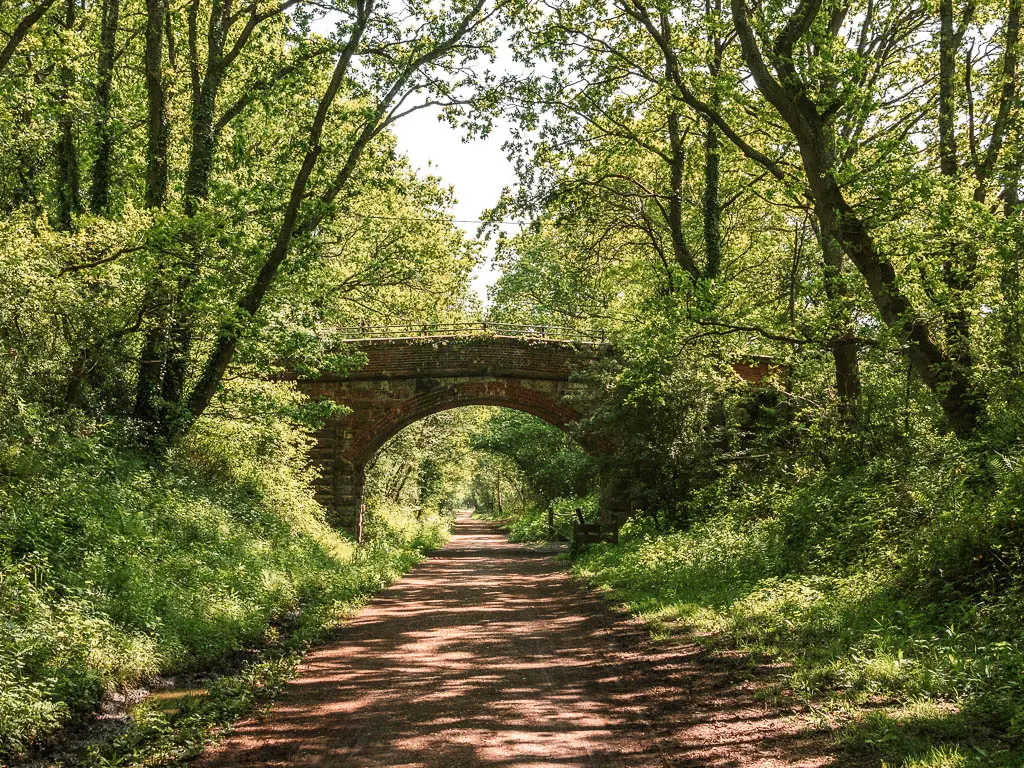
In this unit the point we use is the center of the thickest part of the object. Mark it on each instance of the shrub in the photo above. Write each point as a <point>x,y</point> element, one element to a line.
<point>114,571</point>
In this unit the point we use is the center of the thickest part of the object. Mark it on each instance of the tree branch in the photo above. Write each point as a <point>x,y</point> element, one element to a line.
<point>26,23</point>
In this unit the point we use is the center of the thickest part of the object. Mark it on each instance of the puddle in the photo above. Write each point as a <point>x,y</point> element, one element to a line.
<point>170,700</point>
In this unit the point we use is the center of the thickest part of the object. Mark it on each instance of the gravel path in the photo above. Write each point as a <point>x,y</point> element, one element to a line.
<point>487,654</point>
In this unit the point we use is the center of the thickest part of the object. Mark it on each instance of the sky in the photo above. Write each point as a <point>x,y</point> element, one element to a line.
<point>477,171</point>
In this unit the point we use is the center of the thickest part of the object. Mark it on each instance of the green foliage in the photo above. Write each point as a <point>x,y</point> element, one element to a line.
<point>389,525</point>
<point>157,736</point>
<point>113,571</point>
<point>551,460</point>
<point>722,188</point>
<point>110,301</point>
<point>424,467</point>
<point>125,554</point>
<point>822,510</point>
<point>895,581</point>
<point>530,523</point>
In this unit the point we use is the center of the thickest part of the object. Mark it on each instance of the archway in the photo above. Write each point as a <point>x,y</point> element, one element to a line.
<point>501,461</point>
<point>406,379</point>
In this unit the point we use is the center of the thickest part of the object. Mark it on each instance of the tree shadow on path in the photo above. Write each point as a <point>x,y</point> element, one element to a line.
<point>487,654</point>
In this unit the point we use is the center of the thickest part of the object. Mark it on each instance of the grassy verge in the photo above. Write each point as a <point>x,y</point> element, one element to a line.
<point>169,730</point>
<point>115,572</point>
<point>909,671</point>
<point>890,583</point>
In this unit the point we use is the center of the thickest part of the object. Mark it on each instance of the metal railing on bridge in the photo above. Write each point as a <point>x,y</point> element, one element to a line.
<point>365,332</point>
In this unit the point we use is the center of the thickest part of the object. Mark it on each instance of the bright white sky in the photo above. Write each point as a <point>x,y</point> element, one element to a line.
<point>477,171</point>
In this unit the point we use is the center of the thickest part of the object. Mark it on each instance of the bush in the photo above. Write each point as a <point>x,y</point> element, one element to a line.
<point>897,580</point>
<point>389,524</point>
<point>528,522</point>
<point>113,571</point>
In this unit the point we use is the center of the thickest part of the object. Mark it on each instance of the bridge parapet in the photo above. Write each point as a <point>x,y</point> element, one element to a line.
<point>510,357</point>
<point>363,332</point>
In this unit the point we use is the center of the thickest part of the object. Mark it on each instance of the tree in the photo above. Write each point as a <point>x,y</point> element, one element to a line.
<point>781,76</point>
<point>636,87</point>
<point>436,61</point>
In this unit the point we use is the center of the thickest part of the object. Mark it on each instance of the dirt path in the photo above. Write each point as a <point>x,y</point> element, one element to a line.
<point>487,654</point>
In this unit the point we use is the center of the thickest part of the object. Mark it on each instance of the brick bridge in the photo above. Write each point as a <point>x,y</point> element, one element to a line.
<point>406,377</point>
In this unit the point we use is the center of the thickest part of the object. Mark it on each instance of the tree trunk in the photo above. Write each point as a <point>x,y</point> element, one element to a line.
<point>156,107</point>
<point>844,350</point>
<point>960,258</point>
<point>202,149</point>
<point>99,190</point>
<point>712,203</point>
<point>76,378</point>
<point>69,198</point>
<point>197,190</point>
<point>399,487</point>
<point>179,343</point>
<point>200,164</point>
<point>147,388</point>
<point>677,165</point>
<point>1008,101</point>
<point>713,157</point>
<point>947,99</point>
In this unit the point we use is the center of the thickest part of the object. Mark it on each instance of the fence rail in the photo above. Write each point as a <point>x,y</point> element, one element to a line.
<point>364,332</point>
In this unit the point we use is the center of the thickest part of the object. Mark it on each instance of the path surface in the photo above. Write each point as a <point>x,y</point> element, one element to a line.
<point>487,654</point>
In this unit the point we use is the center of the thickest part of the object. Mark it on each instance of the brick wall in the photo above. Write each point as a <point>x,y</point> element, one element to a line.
<point>522,358</point>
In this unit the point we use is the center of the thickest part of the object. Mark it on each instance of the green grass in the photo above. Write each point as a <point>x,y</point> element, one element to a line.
<point>114,571</point>
<point>907,639</point>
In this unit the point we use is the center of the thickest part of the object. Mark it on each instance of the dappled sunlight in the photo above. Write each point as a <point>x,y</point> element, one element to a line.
<point>487,654</point>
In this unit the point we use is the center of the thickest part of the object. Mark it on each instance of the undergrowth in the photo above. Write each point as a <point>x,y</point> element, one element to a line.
<point>893,589</point>
<point>529,522</point>
<point>116,570</point>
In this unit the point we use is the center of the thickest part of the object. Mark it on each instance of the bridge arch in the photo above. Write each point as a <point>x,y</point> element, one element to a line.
<point>406,379</point>
<point>508,395</point>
